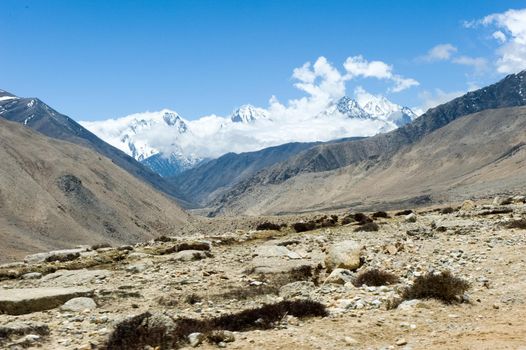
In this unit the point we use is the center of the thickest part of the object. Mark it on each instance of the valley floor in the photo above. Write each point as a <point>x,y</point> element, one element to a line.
<point>244,269</point>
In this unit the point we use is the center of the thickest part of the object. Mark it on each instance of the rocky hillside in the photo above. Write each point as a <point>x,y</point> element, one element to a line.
<point>449,277</point>
<point>337,174</point>
<point>38,116</point>
<point>55,194</point>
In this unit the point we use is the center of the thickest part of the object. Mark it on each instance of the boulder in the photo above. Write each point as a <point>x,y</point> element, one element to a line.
<point>195,339</point>
<point>32,276</point>
<point>345,254</point>
<point>56,255</point>
<point>298,289</point>
<point>25,301</point>
<point>79,304</point>
<point>340,276</point>
<point>189,255</point>
<point>70,278</point>
<point>22,328</point>
<point>271,251</point>
<point>410,217</point>
<point>467,205</point>
<point>278,265</point>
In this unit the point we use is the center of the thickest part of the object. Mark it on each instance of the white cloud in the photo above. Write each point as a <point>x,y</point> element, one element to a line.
<point>478,63</point>
<point>500,36</point>
<point>358,66</point>
<point>511,35</point>
<point>303,119</point>
<point>441,52</point>
<point>435,98</point>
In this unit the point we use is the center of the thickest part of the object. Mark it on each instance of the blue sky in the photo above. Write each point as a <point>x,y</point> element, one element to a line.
<point>94,60</point>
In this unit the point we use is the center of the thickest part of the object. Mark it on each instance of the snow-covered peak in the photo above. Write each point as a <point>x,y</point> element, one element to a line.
<point>351,108</point>
<point>248,114</point>
<point>378,106</point>
<point>130,134</point>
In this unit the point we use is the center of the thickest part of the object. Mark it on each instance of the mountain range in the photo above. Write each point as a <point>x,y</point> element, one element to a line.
<point>169,144</point>
<point>449,151</point>
<point>60,183</point>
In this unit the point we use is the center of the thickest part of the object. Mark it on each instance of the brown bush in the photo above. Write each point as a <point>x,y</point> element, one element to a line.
<point>268,226</point>
<point>520,224</point>
<point>447,210</point>
<point>443,286</point>
<point>361,218</point>
<point>404,212</point>
<point>348,219</point>
<point>137,332</point>
<point>376,278</point>
<point>304,226</point>
<point>368,227</point>
<point>380,214</point>
<point>100,246</point>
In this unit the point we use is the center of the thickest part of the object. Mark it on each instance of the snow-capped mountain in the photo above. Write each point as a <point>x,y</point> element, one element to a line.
<point>168,144</point>
<point>248,114</point>
<point>133,135</point>
<point>380,107</point>
<point>351,108</point>
<point>128,133</point>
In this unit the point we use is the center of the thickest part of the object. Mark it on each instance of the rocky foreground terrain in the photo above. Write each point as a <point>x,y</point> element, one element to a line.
<point>282,289</point>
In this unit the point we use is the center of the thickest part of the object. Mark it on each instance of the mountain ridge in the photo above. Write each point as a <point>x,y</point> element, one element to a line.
<point>380,148</point>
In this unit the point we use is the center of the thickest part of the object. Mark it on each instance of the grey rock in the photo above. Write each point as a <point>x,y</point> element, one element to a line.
<point>32,276</point>
<point>410,217</point>
<point>269,251</point>
<point>296,289</point>
<point>189,255</point>
<point>195,339</point>
<point>24,301</point>
<point>56,255</point>
<point>340,276</point>
<point>79,304</point>
<point>345,254</point>
<point>70,278</point>
<point>23,328</point>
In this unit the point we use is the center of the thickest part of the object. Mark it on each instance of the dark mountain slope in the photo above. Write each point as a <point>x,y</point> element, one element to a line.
<point>55,194</point>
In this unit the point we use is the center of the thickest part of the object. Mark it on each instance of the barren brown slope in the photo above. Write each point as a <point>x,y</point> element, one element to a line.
<point>54,194</point>
<point>476,155</point>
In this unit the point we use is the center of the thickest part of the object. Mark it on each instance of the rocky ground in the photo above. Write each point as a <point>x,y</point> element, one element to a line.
<point>86,298</point>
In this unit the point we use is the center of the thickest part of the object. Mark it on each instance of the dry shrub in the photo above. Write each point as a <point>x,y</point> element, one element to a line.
<point>268,226</point>
<point>244,293</point>
<point>100,246</point>
<point>447,210</point>
<point>304,226</point>
<point>404,212</point>
<point>520,224</point>
<point>137,332</point>
<point>162,238</point>
<point>443,286</point>
<point>368,227</point>
<point>380,214</point>
<point>348,219</point>
<point>376,278</point>
<point>361,218</point>
<point>193,299</point>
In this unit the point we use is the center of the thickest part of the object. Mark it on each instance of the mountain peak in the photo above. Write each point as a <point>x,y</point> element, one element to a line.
<point>248,114</point>
<point>351,108</point>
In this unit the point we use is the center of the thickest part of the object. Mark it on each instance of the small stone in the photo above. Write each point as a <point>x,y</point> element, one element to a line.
<point>350,341</point>
<point>195,339</point>
<point>410,217</point>
<point>401,342</point>
<point>32,276</point>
